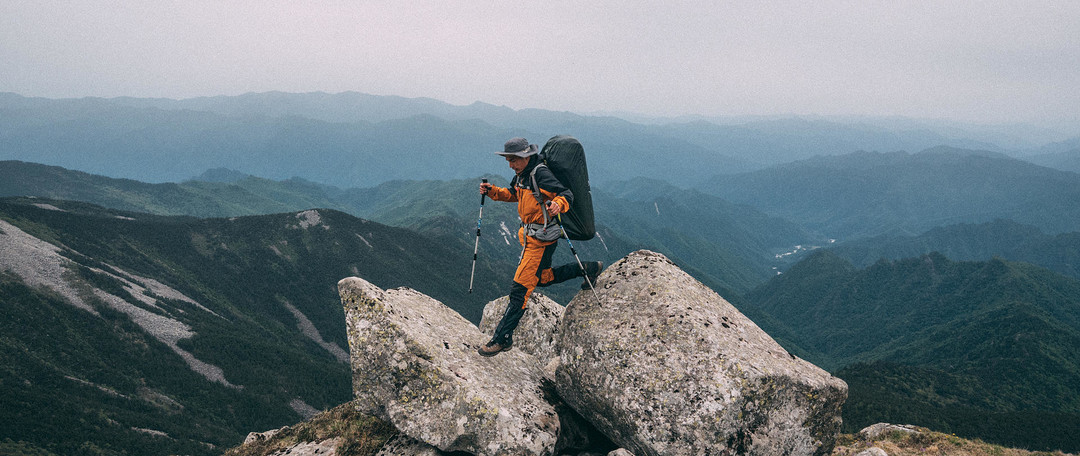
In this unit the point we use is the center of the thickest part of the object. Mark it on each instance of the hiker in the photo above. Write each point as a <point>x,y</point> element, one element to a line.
<point>538,242</point>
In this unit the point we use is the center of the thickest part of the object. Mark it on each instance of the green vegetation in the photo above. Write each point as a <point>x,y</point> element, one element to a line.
<point>983,349</point>
<point>640,213</point>
<point>952,403</point>
<point>74,383</point>
<point>999,238</point>
<point>925,441</point>
<point>249,196</point>
<point>361,435</point>
<point>986,347</point>
<point>867,194</point>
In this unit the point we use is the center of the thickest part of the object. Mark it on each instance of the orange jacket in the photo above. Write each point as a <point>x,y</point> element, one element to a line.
<point>520,191</point>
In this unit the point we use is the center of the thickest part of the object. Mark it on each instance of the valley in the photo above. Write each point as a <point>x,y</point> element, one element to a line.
<point>174,302</point>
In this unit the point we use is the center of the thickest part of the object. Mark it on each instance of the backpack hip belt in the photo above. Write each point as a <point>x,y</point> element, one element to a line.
<point>545,233</point>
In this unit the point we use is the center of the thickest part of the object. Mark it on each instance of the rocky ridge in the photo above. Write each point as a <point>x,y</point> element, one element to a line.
<point>664,365</point>
<point>415,365</point>
<point>660,366</point>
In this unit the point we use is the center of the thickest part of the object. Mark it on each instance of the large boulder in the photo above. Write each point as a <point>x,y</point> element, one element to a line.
<point>664,365</point>
<point>535,335</point>
<point>536,330</point>
<point>415,365</point>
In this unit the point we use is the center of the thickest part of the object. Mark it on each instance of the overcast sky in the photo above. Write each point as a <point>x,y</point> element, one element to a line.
<point>985,61</point>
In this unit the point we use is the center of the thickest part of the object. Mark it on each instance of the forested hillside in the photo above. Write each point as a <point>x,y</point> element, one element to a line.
<point>1000,238</point>
<point>868,194</point>
<point>931,340</point>
<point>727,246</point>
<point>156,312</point>
<point>245,196</point>
<point>128,332</point>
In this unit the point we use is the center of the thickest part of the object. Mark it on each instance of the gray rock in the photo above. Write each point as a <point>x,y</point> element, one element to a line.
<point>317,448</point>
<point>403,445</point>
<point>261,436</point>
<point>872,451</point>
<point>621,452</point>
<point>576,434</point>
<point>666,366</point>
<point>415,365</point>
<point>535,333</point>
<point>875,431</point>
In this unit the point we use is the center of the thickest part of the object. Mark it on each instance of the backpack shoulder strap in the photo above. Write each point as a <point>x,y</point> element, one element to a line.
<point>536,191</point>
<point>532,180</point>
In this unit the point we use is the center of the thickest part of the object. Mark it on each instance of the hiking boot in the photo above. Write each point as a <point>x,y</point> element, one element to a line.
<point>592,271</point>
<point>494,348</point>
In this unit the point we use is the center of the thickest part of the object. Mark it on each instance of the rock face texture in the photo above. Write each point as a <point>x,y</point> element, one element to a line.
<point>415,365</point>
<point>537,329</point>
<point>661,365</point>
<point>403,445</point>
<point>665,366</point>
<point>875,431</point>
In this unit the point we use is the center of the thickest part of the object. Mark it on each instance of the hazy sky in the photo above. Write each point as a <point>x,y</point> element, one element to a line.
<point>989,61</point>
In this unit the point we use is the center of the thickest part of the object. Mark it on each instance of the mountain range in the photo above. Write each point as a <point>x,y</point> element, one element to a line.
<point>865,194</point>
<point>356,140</point>
<point>896,317</point>
<point>161,313</point>
<point>1002,238</point>
<point>648,214</point>
<point>135,333</point>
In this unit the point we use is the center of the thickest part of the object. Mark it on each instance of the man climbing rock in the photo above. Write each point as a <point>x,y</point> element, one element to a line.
<point>539,235</point>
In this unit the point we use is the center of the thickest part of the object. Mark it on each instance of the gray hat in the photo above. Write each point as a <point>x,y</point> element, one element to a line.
<point>519,147</point>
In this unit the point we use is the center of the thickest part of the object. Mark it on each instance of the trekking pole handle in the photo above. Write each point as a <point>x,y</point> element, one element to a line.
<point>482,195</point>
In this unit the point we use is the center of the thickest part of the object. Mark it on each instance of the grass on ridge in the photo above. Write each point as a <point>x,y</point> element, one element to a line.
<point>360,434</point>
<point>927,442</point>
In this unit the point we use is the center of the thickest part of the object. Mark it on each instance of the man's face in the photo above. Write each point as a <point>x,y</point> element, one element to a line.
<point>517,164</point>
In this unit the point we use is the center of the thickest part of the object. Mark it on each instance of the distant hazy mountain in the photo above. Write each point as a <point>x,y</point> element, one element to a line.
<point>960,338</point>
<point>357,140</point>
<point>166,335</point>
<point>867,194</point>
<point>785,137</point>
<point>778,141</point>
<point>221,175</point>
<point>147,143</point>
<point>1001,238</point>
<point>1064,156</point>
<point>245,196</point>
<point>793,136</point>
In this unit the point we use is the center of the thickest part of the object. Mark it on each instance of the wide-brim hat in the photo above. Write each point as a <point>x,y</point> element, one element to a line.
<point>519,147</point>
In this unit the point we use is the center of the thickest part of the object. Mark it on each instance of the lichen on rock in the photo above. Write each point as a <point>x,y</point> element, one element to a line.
<point>664,365</point>
<point>537,329</point>
<point>415,365</point>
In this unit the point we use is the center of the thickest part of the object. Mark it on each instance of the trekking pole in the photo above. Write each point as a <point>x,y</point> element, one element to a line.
<point>574,251</point>
<point>476,246</point>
